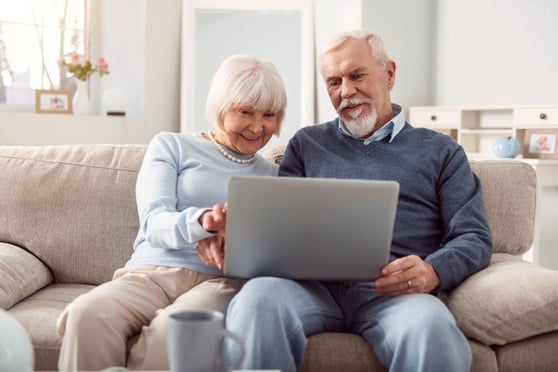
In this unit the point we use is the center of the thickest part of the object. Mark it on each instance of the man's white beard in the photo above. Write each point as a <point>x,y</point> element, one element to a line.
<point>361,127</point>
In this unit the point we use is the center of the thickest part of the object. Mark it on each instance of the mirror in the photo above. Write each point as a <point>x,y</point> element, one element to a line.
<point>280,32</point>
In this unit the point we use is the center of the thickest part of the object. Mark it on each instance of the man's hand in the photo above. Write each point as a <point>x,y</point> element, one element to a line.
<point>406,275</point>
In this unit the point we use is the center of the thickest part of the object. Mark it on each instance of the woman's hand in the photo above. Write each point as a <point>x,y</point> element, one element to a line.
<point>214,220</point>
<point>211,250</point>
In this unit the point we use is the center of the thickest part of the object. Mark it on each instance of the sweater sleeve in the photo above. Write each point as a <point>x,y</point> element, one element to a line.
<point>292,165</point>
<point>467,240</point>
<point>161,223</point>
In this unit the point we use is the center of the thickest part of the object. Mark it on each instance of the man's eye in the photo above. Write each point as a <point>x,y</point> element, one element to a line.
<point>358,76</point>
<point>333,83</point>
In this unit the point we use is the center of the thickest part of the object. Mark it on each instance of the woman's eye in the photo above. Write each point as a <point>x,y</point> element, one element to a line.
<point>244,112</point>
<point>270,115</point>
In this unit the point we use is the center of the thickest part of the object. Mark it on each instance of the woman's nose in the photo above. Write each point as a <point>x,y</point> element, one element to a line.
<point>257,125</point>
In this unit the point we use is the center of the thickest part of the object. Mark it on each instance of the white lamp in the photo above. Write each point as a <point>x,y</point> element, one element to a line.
<point>16,351</point>
<point>115,102</point>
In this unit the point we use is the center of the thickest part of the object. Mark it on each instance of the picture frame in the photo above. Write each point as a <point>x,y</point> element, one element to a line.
<point>540,143</point>
<point>53,101</point>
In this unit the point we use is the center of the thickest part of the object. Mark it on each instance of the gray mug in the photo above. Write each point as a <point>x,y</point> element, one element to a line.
<point>195,342</point>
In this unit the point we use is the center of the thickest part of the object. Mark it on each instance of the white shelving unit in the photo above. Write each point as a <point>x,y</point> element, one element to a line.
<point>476,129</point>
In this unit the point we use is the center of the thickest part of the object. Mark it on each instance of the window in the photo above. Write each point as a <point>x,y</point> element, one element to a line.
<point>34,35</point>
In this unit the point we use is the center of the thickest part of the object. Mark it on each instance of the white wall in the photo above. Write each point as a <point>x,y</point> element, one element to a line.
<point>332,16</point>
<point>141,41</point>
<point>449,52</point>
<point>122,42</point>
<point>497,52</point>
<point>407,28</point>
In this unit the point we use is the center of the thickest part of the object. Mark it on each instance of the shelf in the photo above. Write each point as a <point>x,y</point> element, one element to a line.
<point>33,129</point>
<point>504,131</point>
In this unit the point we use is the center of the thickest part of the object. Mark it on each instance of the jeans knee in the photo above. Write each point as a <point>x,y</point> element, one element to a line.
<point>259,294</point>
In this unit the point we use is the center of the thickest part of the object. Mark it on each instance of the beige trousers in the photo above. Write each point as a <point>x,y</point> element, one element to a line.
<point>123,322</point>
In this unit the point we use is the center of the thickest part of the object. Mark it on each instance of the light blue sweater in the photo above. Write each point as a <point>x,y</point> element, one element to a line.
<point>182,176</point>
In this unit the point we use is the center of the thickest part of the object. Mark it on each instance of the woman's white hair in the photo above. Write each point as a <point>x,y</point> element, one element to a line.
<point>245,81</point>
<point>376,44</point>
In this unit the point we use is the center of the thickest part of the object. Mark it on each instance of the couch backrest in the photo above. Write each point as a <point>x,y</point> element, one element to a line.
<point>71,206</point>
<point>510,200</point>
<point>74,206</point>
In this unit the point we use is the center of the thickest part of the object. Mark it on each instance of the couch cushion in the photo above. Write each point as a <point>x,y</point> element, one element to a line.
<point>21,274</point>
<point>38,314</point>
<point>484,358</point>
<point>510,188</point>
<point>71,206</point>
<point>538,353</point>
<point>339,351</point>
<point>509,301</point>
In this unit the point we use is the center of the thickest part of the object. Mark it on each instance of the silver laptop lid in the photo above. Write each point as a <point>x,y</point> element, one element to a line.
<point>309,228</point>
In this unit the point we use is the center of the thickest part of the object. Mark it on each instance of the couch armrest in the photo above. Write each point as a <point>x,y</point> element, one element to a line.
<point>21,274</point>
<point>510,300</point>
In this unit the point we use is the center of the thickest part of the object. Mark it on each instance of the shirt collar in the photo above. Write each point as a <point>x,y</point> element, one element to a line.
<point>391,128</point>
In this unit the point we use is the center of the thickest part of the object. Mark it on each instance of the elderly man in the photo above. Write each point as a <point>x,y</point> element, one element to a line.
<point>441,233</point>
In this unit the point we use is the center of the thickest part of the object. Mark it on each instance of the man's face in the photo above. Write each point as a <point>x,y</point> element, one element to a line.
<point>358,85</point>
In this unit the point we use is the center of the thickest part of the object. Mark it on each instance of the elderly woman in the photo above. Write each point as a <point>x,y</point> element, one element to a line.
<point>181,192</point>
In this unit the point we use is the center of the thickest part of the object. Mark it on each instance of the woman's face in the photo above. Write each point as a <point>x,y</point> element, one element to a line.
<point>246,130</point>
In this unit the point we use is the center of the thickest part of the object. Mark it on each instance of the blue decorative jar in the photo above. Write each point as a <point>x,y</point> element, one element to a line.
<point>506,147</point>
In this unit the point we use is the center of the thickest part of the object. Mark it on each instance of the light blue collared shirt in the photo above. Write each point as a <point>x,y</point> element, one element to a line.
<point>392,127</point>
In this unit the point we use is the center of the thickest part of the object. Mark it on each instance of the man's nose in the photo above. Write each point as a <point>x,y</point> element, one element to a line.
<point>348,88</point>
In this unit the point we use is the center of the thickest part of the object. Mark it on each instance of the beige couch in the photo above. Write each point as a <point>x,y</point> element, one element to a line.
<point>68,218</point>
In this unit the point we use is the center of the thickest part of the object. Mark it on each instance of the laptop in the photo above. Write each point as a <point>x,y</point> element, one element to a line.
<point>309,228</point>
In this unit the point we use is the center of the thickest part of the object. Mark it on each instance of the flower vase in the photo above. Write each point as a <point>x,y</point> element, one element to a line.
<point>82,104</point>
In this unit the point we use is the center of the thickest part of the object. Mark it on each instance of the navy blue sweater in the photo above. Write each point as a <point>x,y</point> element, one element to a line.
<point>440,214</point>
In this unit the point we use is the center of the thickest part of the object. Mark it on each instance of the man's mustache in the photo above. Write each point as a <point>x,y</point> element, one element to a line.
<point>352,102</point>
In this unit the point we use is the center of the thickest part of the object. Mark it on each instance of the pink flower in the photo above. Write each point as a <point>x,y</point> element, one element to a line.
<point>83,69</point>
<point>75,58</point>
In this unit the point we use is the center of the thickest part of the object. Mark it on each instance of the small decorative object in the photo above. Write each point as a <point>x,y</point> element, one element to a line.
<point>114,102</point>
<point>506,147</point>
<point>83,69</point>
<point>53,101</point>
<point>541,143</point>
<point>16,351</point>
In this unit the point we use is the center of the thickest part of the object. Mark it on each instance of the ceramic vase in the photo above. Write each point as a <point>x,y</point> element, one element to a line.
<point>82,104</point>
<point>506,147</point>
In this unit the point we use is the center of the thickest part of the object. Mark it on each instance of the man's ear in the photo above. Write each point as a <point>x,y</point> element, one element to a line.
<point>390,69</point>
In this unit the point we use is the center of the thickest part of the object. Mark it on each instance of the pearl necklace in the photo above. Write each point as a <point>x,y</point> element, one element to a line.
<point>227,154</point>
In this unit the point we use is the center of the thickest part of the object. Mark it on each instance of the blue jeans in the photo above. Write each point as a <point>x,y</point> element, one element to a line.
<point>408,333</point>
